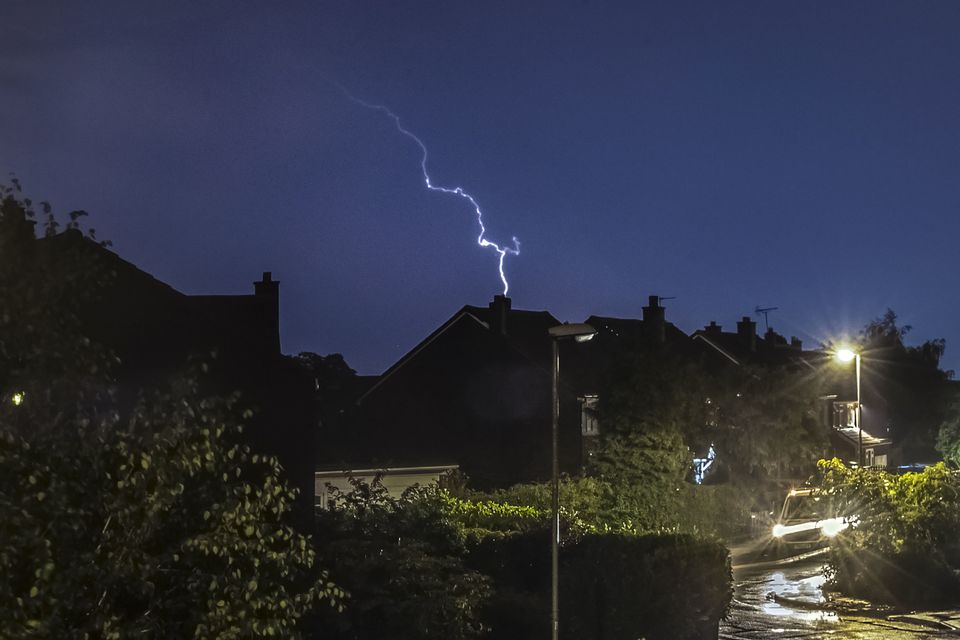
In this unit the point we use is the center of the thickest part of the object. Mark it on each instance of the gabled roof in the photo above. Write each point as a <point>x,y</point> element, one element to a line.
<point>635,329</point>
<point>526,330</point>
<point>737,349</point>
<point>526,333</point>
<point>150,323</point>
<point>713,343</point>
<point>124,270</point>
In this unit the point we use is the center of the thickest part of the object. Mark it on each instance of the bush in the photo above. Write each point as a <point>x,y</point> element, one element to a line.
<point>402,562</point>
<point>156,528</point>
<point>904,549</point>
<point>654,586</point>
<point>611,586</point>
<point>716,510</point>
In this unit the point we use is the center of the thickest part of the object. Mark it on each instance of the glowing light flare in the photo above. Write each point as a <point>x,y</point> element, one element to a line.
<point>846,355</point>
<point>502,251</point>
<point>18,398</point>
<point>829,527</point>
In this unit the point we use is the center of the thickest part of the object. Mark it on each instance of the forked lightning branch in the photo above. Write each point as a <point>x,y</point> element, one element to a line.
<point>502,251</point>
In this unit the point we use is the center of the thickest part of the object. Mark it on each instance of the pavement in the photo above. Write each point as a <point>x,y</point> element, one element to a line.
<point>764,554</point>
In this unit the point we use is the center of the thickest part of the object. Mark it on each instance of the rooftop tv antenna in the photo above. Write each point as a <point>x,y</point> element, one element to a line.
<point>765,312</point>
<point>660,299</point>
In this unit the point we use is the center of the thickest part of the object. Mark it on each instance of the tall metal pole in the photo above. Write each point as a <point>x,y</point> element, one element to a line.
<point>555,502</point>
<point>859,419</point>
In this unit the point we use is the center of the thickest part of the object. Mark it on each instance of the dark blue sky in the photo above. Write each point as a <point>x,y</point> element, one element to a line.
<point>733,154</point>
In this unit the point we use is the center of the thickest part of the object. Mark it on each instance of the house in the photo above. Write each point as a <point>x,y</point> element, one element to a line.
<point>847,440</point>
<point>744,347</point>
<point>154,330</point>
<point>476,393</point>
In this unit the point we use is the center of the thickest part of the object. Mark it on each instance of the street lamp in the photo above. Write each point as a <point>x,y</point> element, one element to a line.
<point>578,333</point>
<point>846,355</point>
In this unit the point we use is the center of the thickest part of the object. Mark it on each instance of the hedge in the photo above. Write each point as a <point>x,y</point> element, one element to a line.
<point>612,587</point>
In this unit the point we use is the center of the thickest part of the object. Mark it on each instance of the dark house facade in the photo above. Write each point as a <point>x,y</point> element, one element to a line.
<point>476,393</point>
<point>155,330</point>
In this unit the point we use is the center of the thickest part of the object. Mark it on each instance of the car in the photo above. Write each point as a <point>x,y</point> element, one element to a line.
<point>808,521</point>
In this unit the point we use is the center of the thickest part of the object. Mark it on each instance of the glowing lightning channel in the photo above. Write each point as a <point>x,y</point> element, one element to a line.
<point>457,191</point>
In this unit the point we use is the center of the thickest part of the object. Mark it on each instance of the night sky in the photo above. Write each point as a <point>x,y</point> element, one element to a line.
<point>803,155</point>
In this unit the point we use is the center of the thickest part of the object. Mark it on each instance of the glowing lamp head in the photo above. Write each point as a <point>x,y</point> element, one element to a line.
<point>779,530</point>
<point>846,355</point>
<point>578,332</point>
<point>18,398</point>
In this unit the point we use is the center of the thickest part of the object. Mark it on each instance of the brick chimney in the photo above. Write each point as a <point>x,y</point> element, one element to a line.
<point>774,339</point>
<point>654,319</point>
<point>267,291</point>
<point>747,332</point>
<point>499,310</point>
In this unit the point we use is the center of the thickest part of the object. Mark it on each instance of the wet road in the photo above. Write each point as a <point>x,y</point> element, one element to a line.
<point>754,614</point>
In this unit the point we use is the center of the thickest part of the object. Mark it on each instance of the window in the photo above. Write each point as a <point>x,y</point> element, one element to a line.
<point>589,416</point>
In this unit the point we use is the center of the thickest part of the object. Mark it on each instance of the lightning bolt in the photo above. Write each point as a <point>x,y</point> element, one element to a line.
<point>502,251</point>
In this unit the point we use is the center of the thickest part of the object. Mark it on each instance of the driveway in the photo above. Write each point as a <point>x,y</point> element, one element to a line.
<point>785,601</point>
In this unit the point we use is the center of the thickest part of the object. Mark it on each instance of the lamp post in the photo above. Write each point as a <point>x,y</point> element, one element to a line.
<point>578,333</point>
<point>846,355</point>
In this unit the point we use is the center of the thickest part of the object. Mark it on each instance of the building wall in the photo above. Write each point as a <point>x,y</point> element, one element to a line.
<point>395,481</point>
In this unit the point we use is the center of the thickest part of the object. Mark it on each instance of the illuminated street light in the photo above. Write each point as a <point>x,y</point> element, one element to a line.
<point>18,398</point>
<point>846,355</point>
<point>578,333</point>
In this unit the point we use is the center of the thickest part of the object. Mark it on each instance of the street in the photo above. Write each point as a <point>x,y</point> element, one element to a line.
<point>756,612</point>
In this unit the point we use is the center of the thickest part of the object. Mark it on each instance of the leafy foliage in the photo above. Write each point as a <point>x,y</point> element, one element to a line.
<point>652,412</point>
<point>623,586</point>
<point>948,437</point>
<point>151,521</point>
<point>905,383</point>
<point>904,548</point>
<point>655,586</point>
<point>159,527</point>
<point>662,407</point>
<point>402,561</point>
<point>765,422</point>
<point>587,503</point>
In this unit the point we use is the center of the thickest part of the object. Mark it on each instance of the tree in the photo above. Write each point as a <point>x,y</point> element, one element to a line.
<point>905,382</point>
<point>765,422</point>
<point>152,522</point>
<point>652,413</point>
<point>948,438</point>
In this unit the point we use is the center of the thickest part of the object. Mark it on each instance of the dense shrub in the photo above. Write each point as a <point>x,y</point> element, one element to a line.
<point>612,586</point>
<point>401,560</point>
<point>596,505</point>
<point>657,586</point>
<point>904,548</point>
<point>716,510</point>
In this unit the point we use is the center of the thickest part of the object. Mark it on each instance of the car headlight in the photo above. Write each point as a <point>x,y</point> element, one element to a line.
<point>832,527</point>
